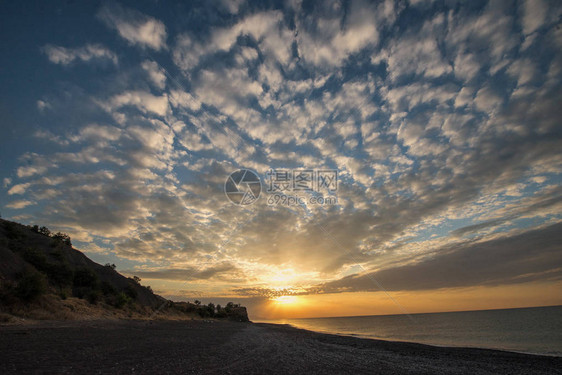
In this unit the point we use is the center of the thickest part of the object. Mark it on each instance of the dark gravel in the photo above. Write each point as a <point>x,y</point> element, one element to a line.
<point>175,347</point>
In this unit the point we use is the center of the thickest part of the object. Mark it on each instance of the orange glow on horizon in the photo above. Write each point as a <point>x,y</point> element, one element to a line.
<point>376,303</point>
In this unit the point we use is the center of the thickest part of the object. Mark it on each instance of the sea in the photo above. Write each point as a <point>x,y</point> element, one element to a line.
<point>534,330</point>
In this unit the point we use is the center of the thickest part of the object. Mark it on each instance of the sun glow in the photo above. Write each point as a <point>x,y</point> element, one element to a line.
<point>280,278</point>
<point>286,300</point>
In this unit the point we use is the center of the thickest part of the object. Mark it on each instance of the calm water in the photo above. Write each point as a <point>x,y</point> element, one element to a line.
<point>531,330</point>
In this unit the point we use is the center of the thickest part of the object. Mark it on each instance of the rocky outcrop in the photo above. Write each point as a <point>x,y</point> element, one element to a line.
<point>238,314</point>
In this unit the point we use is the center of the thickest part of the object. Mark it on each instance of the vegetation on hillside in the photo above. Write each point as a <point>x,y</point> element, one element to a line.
<point>33,267</point>
<point>231,311</point>
<point>51,271</point>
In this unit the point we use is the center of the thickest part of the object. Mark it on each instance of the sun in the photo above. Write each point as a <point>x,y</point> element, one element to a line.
<point>286,300</point>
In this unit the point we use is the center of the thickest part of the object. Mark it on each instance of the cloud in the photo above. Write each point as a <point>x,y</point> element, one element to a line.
<point>18,189</point>
<point>264,292</point>
<point>487,36</point>
<point>477,227</point>
<point>528,256</point>
<point>30,171</point>
<point>324,39</point>
<point>66,56</point>
<point>97,133</point>
<point>233,6</point>
<point>144,101</point>
<point>20,204</point>
<point>42,105</point>
<point>523,70</point>
<point>487,100</point>
<point>266,28</point>
<point>534,15</point>
<point>133,26</point>
<point>155,73</point>
<point>418,53</point>
<point>223,271</point>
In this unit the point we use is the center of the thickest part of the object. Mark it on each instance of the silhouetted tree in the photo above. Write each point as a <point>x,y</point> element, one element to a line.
<point>229,307</point>
<point>221,312</point>
<point>45,231</point>
<point>63,237</point>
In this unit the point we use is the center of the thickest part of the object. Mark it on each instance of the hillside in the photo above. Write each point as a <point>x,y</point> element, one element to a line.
<point>43,277</point>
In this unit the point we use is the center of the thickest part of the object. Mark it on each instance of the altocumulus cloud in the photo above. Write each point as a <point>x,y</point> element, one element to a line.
<point>133,26</point>
<point>65,56</point>
<point>443,123</point>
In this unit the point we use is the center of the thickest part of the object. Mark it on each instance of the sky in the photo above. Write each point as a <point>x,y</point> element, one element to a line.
<point>121,123</point>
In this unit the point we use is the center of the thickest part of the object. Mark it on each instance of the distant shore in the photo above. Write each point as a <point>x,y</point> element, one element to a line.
<point>221,347</point>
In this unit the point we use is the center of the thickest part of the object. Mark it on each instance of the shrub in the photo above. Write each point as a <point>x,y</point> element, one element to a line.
<point>203,312</point>
<point>36,258</point>
<point>80,291</point>
<point>190,308</point>
<point>120,300</point>
<point>131,292</point>
<point>107,289</point>
<point>30,286</point>
<point>60,274</point>
<point>12,231</point>
<point>221,313</point>
<point>7,293</point>
<point>85,277</point>
<point>45,231</point>
<point>16,246</point>
<point>93,296</point>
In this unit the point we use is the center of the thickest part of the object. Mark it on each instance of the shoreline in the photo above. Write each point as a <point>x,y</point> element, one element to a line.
<point>366,337</point>
<point>213,347</point>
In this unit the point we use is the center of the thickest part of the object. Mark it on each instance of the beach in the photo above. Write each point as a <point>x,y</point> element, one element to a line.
<point>213,347</point>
